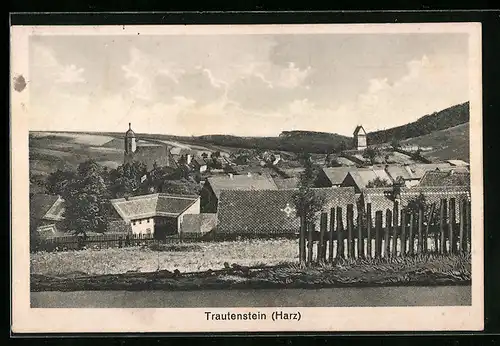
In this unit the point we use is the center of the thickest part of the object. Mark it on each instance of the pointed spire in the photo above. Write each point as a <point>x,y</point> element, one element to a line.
<point>130,126</point>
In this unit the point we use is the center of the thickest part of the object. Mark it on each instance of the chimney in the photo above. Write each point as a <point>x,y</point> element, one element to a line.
<point>230,175</point>
<point>249,174</point>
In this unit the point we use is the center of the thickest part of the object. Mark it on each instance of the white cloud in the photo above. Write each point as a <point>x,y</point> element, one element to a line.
<point>70,75</point>
<point>51,70</point>
<point>292,76</point>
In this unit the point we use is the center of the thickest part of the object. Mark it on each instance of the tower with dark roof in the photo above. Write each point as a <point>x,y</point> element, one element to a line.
<point>130,144</point>
<point>360,142</point>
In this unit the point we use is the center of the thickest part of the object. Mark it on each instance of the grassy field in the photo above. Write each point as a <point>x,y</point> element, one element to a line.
<point>452,143</point>
<point>427,270</point>
<point>199,257</point>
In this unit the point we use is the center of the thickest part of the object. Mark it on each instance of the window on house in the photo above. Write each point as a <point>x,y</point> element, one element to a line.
<point>140,222</point>
<point>148,220</point>
<point>133,223</point>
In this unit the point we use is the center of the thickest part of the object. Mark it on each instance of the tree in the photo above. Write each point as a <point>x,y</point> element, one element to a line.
<point>378,182</point>
<point>87,206</point>
<point>395,144</point>
<point>126,179</point>
<point>58,181</point>
<point>370,154</point>
<point>181,187</point>
<point>307,202</point>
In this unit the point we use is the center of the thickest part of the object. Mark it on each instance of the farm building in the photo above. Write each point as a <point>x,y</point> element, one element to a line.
<point>158,214</point>
<point>360,177</point>
<point>333,176</point>
<point>151,154</point>
<point>199,164</point>
<point>46,215</point>
<point>446,178</point>
<point>360,142</point>
<point>199,224</point>
<point>272,212</point>
<point>407,173</point>
<point>213,186</point>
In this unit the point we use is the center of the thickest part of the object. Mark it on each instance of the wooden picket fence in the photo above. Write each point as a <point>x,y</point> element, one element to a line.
<point>113,240</point>
<point>405,233</point>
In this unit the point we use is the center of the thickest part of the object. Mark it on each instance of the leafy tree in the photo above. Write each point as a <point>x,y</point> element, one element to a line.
<point>87,206</point>
<point>371,154</point>
<point>181,187</point>
<point>58,181</point>
<point>334,163</point>
<point>126,179</point>
<point>395,144</point>
<point>307,202</point>
<point>378,182</point>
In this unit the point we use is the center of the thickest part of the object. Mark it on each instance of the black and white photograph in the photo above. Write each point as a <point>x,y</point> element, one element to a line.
<point>249,173</point>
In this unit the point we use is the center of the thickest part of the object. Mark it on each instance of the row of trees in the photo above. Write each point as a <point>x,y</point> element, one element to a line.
<point>88,189</point>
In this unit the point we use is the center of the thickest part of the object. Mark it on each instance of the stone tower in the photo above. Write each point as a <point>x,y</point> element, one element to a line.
<point>130,144</point>
<point>360,141</point>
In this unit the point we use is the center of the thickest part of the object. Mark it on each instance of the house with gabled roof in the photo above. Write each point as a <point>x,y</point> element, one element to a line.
<point>360,177</point>
<point>333,176</point>
<point>156,214</point>
<point>210,193</point>
<point>445,178</point>
<point>270,213</point>
<point>46,215</point>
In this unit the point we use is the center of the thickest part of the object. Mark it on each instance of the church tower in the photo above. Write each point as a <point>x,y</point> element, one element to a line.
<point>130,144</point>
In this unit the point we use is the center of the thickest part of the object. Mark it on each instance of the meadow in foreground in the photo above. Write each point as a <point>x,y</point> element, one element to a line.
<point>194,257</point>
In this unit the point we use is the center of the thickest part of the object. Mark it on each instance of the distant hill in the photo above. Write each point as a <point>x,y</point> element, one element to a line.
<point>292,141</point>
<point>451,143</point>
<point>444,119</point>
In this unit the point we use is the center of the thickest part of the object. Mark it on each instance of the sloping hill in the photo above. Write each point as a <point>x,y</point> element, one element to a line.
<point>444,119</point>
<point>448,144</point>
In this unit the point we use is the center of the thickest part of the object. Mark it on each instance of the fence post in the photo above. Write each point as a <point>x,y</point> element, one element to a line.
<point>411,245</point>
<point>369,230</point>
<point>350,243</point>
<point>388,221</point>
<point>429,221</point>
<point>404,214</point>
<point>340,234</point>
<point>361,251</point>
<point>302,240</point>
<point>452,225</point>
<point>420,247</point>
<point>321,243</point>
<point>395,224</point>
<point>330,239</point>
<point>378,235</point>
<point>310,243</point>
<point>442,215</point>
<point>462,226</point>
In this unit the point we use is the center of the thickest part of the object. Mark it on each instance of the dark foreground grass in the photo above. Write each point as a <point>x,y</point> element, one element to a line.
<point>428,270</point>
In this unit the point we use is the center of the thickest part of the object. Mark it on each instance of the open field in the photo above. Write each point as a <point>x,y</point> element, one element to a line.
<point>427,270</point>
<point>203,257</point>
<point>452,143</point>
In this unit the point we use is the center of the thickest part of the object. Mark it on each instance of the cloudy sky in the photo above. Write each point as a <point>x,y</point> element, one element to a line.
<point>243,84</point>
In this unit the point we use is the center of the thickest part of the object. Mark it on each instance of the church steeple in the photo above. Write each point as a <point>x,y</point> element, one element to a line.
<point>130,143</point>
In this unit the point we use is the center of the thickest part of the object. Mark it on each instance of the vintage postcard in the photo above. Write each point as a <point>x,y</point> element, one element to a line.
<point>247,178</point>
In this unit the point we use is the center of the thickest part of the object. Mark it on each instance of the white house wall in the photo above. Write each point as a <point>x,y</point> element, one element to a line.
<point>143,225</point>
